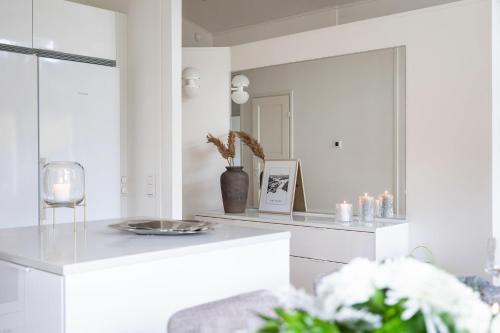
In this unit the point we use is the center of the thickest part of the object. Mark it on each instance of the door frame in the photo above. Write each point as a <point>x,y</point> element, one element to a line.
<point>289,93</point>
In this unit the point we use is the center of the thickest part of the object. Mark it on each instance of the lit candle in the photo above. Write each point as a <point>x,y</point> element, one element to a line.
<point>366,208</point>
<point>61,192</point>
<point>343,212</point>
<point>378,206</point>
<point>387,205</point>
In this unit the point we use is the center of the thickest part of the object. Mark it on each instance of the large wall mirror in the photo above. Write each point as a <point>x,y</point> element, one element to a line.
<point>343,117</point>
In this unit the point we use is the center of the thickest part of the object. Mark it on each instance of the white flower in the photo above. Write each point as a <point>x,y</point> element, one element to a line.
<point>427,287</point>
<point>420,287</point>
<point>495,325</point>
<point>353,284</point>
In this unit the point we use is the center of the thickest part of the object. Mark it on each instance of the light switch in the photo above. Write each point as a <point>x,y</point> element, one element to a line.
<point>150,190</point>
<point>337,144</point>
<point>150,186</point>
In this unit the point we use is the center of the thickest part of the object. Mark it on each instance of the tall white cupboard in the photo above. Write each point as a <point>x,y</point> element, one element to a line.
<point>79,120</point>
<point>57,110</point>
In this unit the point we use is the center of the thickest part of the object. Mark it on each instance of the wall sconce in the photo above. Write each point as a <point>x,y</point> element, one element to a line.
<point>191,82</point>
<point>239,95</point>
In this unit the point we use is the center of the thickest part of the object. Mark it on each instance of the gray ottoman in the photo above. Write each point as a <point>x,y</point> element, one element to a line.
<point>230,315</point>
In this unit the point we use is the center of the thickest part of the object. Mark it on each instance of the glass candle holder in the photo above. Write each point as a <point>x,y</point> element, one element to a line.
<point>343,212</point>
<point>366,208</point>
<point>63,184</point>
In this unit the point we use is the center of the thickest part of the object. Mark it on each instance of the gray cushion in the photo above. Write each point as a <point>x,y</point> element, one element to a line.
<point>488,292</point>
<point>231,315</point>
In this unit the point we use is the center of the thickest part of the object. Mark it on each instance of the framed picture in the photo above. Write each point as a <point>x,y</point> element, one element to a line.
<point>279,186</point>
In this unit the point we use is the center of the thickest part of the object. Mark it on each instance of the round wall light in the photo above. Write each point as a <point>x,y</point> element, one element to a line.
<point>239,83</point>
<point>191,81</point>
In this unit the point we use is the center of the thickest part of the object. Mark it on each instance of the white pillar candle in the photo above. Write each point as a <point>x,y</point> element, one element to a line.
<point>61,192</point>
<point>387,205</point>
<point>378,206</point>
<point>366,208</point>
<point>343,212</point>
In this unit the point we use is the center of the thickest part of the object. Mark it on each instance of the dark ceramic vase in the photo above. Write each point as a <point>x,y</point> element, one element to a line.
<point>234,188</point>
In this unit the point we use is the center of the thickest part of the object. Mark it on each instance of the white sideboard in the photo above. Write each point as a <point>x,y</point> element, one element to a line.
<point>319,245</point>
<point>107,281</point>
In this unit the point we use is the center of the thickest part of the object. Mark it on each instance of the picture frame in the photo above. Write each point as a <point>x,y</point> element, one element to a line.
<point>282,190</point>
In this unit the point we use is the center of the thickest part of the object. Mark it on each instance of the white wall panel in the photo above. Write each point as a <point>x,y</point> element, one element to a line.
<point>155,108</point>
<point>18,140</point>
<point>15,22</point>
<point>209,111</point>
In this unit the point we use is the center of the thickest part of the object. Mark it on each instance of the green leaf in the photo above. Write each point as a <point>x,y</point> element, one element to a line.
<point>296,321</point>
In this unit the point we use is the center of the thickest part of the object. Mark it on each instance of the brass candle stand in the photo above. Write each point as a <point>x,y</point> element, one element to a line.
<point>74,206</point>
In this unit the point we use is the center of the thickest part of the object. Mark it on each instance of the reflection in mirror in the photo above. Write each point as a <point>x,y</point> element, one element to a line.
<point>343,117</point>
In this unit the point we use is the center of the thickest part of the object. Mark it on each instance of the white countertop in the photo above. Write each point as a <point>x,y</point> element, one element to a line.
<point>314,220</point>
<point>63,252</point>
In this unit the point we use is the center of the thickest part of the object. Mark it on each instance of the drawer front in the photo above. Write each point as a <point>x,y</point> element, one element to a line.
<point>305,273</point>
<point>318,243</point>
<point>329,244</point>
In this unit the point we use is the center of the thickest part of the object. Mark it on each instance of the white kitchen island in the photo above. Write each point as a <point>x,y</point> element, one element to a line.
<point>104,280</point>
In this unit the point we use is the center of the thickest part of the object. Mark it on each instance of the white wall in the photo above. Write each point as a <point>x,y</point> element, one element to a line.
<point>144,58</point>
<point>208,112</point>
<point>495,58</point>
<point>325,17</point>
<point>449,116</point>
<point>194,35</point>
<point>121,63</point>
<point>154,108</point>
<point>348,99</point>
<point>171,111</point>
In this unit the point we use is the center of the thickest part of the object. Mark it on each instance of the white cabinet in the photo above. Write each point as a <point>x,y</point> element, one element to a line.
<point>100,280</point>
<point>12,282</point>
<point>306,272</point>
<point>73,28</point>
<point>12,323</point>
<point>319,245</point>
<point>80,102</point>
<point>15,22</point>
<point>19,140</point>
<point>29,293</point>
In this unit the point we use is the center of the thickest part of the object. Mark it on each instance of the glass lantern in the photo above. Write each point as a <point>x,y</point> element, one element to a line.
<point>63,184</point>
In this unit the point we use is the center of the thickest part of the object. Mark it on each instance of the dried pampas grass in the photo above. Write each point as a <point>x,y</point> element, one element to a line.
<point>253,144</point>
<point>227,151</point>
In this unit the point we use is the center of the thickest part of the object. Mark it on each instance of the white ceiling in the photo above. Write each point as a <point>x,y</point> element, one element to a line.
<point>222,15</point>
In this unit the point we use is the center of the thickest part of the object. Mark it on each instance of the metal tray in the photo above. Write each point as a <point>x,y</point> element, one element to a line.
<point>164,227</point>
